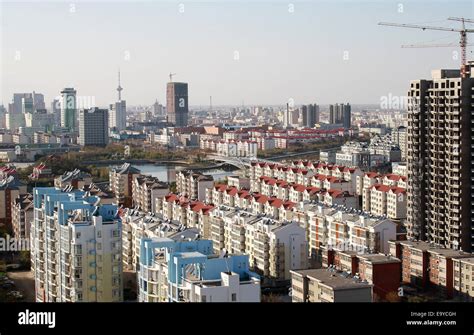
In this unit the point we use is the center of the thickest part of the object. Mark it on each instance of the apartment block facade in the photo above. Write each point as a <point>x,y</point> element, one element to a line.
<point>76,248</point>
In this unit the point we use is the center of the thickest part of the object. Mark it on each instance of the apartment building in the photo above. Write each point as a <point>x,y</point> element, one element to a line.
<point>380,270</point>
<point>76,179</point>
<point>274,247</point>
<point>204,276</point>
<point>10,189</point>
<point>439,149</point>
<point>328,285</point>
<point>76,248</point>
<point>145,191</point>
<point>348,230</point>
<point>137,225</point>
<point>427,266</point>
<point>463,281</point>
<point>387,200</point>
<point>121,183</point>
<point>22,215</point>
<point>193,185</point>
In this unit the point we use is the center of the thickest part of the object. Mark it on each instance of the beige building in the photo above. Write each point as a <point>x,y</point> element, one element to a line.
<point>145,191</point>
<point>464,278</point>
<point>193,185</point>
<point>327,285</point>
<point>121,183</point>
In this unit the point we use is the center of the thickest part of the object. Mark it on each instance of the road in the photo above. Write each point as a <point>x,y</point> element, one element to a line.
<point>24,283</point>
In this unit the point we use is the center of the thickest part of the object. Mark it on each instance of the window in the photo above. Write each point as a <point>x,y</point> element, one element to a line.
<point>203,298</point>
<point>234,296</point>
<point>78,235</point>
<point>99,234</point>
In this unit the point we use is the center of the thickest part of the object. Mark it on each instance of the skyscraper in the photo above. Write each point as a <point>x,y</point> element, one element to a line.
<point>310,115</point>
<point>177,103</point>
<point>93,127</point>
<point>340,114</point>
<point>68,109</point>
<point>440,159</point>
<point>346,116</point>
<point>118,111</point>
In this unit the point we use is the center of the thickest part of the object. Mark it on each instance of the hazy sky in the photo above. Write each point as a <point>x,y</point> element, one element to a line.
<point>282,54</point>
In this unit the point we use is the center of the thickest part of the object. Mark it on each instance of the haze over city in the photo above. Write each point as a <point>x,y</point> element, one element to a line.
<point>257,53</point>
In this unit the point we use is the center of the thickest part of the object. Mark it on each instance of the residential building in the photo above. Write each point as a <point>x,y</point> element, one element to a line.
<point>76,248</point>
<point>121,183</point>
<point>10,189</point>
<point>204,276</point>
<point>440,159</point>
<point>193,185</point>
<point>75,179</point>
<point>327,285</point>
<point>22,215</point>
<point>145,191</point>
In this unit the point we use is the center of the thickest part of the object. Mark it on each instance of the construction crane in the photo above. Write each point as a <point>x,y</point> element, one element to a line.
<point>171,77</point>
<point>462,32</point>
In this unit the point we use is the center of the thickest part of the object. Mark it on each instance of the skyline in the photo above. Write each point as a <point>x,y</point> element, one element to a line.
<point>280,55</point>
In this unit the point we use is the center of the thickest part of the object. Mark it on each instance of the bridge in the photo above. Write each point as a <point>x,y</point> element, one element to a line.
<point>244,162</point>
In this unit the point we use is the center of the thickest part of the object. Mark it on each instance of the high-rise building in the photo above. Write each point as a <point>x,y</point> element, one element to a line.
<point>177,103</point>
<point>68,109</point>
<point>346,115</point>
<point>118,111</point>
<point>340,114</point>
<point>439,159</point>
<point>309,115</point>
<point>56,111</point>
<point>93,127</point>
<point>76,248</point>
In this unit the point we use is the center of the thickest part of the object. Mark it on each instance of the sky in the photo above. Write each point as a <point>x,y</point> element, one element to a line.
<point>250,52</point>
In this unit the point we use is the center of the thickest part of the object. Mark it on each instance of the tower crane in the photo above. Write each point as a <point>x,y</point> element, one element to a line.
<point>171,76</point>
<point>462,32</point>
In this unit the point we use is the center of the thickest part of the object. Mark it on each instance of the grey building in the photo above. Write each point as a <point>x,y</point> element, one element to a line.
<point>309,115</point>
<point>440,159</point>
<point>177,103</point>
<point>340,114</point>
<point>93,127</point>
